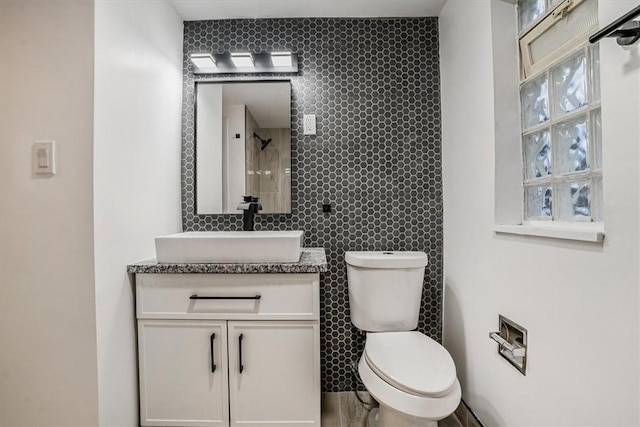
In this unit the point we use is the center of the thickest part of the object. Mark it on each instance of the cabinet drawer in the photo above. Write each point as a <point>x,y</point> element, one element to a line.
<point>227,296</point>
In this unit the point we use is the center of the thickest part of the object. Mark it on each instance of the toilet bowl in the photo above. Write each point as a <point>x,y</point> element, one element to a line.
<point>412,377</point>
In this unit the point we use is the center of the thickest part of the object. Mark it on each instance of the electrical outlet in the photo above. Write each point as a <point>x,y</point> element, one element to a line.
<point>309,124</point>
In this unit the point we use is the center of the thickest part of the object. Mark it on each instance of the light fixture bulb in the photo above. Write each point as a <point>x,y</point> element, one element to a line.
<point>202,60</point>
<point>242,59</point>
<point>281,59</point>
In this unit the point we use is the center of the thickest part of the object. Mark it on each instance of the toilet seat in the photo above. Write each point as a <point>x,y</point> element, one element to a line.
<point>411,362</point>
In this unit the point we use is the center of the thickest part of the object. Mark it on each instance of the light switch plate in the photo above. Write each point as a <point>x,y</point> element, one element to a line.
<point>309,124</point>
<point>43,155</point>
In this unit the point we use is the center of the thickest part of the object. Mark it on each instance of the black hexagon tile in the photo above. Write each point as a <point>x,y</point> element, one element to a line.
<point>374,86</point>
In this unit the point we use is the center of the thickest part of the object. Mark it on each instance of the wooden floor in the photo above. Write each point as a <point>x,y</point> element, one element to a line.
<point>344,410</point>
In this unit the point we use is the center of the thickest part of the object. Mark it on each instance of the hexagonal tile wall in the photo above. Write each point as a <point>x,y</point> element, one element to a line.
<point>374,85</point>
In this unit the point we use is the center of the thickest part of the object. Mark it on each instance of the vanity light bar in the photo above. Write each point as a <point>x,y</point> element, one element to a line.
<point>202,60</point>
<point>281,59</point>
<point>245,63</point>
<point>242,60</point>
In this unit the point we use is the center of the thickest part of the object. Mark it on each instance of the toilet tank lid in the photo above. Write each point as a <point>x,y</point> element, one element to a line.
<point>387,259</point>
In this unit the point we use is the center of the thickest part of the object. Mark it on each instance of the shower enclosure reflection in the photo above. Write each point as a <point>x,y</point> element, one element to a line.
<point>243,145</point>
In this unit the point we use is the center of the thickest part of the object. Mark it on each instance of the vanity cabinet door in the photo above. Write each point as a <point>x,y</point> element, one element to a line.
<point>274,373</point>
<point>183,373</point>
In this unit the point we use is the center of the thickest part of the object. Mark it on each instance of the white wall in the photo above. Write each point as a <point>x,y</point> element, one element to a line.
<point>209,197</point>
<point>138,81</point>
<point>579,301</point>
<point>234,169</point>
<point>47,303</point>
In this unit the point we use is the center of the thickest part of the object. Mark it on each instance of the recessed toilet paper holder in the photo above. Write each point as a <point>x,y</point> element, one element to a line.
<point>512,343</point>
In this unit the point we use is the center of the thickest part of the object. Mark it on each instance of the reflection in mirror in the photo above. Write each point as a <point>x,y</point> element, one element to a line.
<point>243,146</point>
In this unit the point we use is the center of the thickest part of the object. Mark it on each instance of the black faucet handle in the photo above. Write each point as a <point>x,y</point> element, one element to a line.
<point>256,201</point>
<point>247,199</point>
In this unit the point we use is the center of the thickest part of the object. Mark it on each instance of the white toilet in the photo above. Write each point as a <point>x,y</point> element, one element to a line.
<point>412,377</point>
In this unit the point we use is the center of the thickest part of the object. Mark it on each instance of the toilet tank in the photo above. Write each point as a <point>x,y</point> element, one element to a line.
<point>385,289</point>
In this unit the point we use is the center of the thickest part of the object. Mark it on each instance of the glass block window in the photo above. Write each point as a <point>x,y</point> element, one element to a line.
<point>530,10</point>
<point>561,129</point>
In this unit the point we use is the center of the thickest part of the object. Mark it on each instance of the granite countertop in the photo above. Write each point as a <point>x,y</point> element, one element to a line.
<point>313,260</point>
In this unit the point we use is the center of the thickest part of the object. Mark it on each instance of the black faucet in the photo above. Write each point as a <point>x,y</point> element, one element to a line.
<point>249,208</point>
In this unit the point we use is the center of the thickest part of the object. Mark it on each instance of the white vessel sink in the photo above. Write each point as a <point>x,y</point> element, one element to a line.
<point>229,247</point>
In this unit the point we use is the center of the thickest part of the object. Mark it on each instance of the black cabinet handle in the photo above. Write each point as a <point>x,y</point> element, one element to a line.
<point>240,353</point>
<point>196,296</point>
<point>213,362</point>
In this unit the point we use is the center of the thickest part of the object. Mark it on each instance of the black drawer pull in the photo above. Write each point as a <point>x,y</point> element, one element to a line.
<point>213,362</point>
<point>196,296</point>
<point>240,353</point>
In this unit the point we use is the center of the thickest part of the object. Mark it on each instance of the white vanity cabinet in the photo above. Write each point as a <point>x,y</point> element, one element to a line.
<point>178,384</point>
<point>274,381</point>
<point>229,349</point>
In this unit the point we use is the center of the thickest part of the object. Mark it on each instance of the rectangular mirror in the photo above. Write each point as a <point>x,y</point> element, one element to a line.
<point>243,145</point>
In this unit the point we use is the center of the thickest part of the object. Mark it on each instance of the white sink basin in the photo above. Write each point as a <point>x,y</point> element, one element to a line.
<point>229,247</point>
